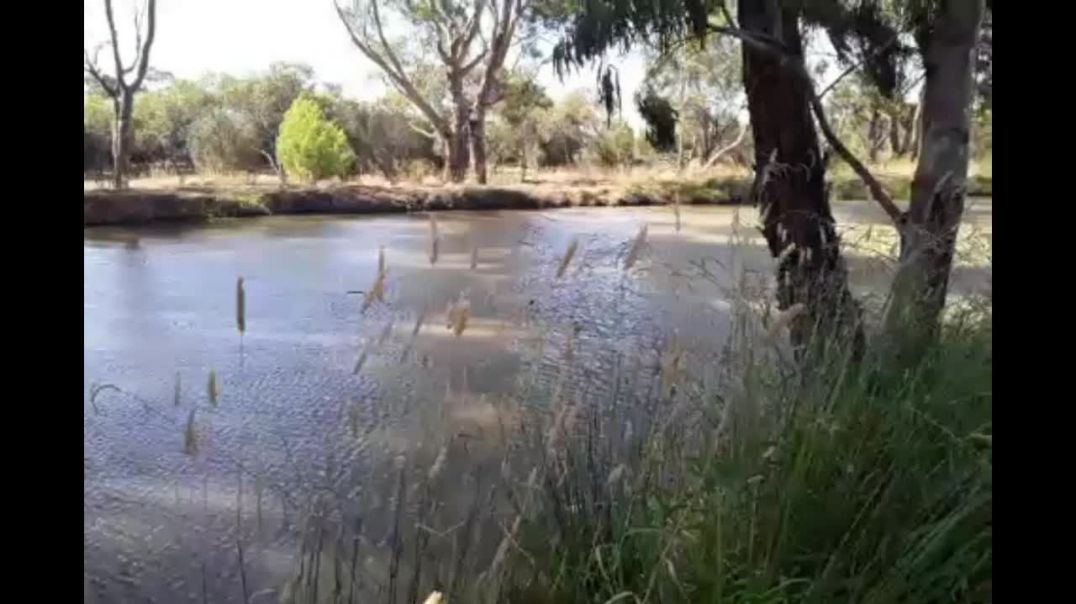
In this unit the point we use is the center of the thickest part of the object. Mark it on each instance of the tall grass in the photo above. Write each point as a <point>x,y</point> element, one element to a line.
<point>842,482</point>
<point>820,480</point>
<point>755,478</point>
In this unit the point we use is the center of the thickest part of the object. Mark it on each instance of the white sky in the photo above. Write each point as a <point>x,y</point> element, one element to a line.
<point>245,36</point>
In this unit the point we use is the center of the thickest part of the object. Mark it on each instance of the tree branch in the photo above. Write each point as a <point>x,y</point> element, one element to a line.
<point>143,55</point>
<point>95,72</point>
<point>120,84</point>
<point>138,39</point>
<point>728,16</point>
<point>471,28</point>
<point>504,25</point>
<point>467,67</point>
<point>729,147</point>
<point>427,133</point>
<point>795,65</point>
<point>393,71</point>
<point>857,65</point>
<point>877,190</point>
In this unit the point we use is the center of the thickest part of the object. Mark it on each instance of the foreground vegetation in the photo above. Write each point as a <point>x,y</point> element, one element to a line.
<point>851,482</point>
<point>737,475</point>
<point>850,467</point>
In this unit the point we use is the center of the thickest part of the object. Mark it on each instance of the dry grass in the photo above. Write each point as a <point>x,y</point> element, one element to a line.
<point>774,486</point>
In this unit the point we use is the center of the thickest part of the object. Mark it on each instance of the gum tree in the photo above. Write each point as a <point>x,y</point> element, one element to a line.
<point>124,82</point>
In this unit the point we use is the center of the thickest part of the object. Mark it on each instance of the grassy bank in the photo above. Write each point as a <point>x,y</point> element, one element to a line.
<point>163,199</point>
<point>202,198</point>
<point>759,483</point>
<point>741,477</point>
<point>847,483</point>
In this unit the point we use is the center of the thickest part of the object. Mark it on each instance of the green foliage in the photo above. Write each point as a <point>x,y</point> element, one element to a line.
<point>521,112</point>
<point>97,114</point>
<point>615,146</point>
<point>703,84</point>
<point>845,482</point>
<point>225,141</point>
<point>264,99</point>
<point>380,134</point>
<point>503,142</point>
<point>567,128</point>
<point>523,99</point>
<point>660,118</point>
<point>982,134</point>
<point>163,120</point>
<point>310,146</point>
<point>96,133</point>
<point>594,27</point>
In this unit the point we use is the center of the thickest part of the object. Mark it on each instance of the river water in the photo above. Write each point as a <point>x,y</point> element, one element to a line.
<point>164,522</point>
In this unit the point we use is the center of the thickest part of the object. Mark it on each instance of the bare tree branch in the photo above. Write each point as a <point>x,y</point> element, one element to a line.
<point>427,133</point>
<point>95,72</point>
<point>120,84</point>
<point>504,25</point>
<point>393,70</point>
<point>728,16</point>
<point>467,67</point>
<point>143,58</point>
<point>857,65</point>
<point>729,147</point>
<point>138,38</point>
<point>472,26</point>
<point>878,192</point>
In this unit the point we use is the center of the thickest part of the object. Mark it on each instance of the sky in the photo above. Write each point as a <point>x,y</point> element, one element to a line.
<point>246,36</point>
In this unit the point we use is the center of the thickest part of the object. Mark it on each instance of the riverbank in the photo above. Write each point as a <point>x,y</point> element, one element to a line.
<point>142,206</point>
<point>193,203</point>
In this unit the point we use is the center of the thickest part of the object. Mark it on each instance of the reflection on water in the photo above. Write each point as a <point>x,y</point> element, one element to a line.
<point>294,418</point>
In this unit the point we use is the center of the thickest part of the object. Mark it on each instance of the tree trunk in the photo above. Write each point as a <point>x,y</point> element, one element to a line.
<point>457,142</point>
<point>909,122</point>
<point>458,158</point>
<point>895,122</point>
<point>928,235</point>
<point>875,135</point>
<point>916,133</point>
<point>789,185</point>
<point>478,144</point>
<point>680,151</point>
<point>123,109</point>
<point>523,156</point>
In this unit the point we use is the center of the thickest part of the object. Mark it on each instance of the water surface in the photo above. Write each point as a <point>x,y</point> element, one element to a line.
<point>160,303</point>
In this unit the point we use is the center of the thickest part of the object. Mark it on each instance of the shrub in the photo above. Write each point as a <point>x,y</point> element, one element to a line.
<point>224,141</point>
<point>311,147</point>
<point>616,145</point>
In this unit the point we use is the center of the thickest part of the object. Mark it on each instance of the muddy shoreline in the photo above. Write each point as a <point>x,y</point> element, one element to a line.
<point>106,207</point>
<point>198,204</point>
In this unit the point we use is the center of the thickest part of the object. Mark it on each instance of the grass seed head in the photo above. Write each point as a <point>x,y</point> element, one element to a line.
<point>636,248</point>
<point>567,259</point>
<point>213,388</point>
<point>190,436</point>
<point>240,306</point>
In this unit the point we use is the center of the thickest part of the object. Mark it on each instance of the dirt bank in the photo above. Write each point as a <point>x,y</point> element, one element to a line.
<point>143,206</point>
<point>104,207</point>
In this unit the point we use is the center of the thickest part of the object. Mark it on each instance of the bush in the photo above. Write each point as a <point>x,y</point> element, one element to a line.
<point>616,145</point>
<point>311,147</point>
<point>224,141</point>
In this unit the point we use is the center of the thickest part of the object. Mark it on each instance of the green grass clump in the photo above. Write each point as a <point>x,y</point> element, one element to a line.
<point>897,180</point>
<point>847,482</point>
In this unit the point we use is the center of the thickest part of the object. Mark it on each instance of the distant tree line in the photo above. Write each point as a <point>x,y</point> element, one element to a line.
<point>228,124</point>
